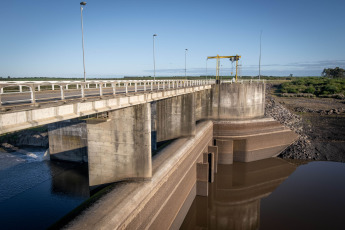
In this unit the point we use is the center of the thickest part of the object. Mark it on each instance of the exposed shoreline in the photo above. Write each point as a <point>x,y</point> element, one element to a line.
<point>320,123</point>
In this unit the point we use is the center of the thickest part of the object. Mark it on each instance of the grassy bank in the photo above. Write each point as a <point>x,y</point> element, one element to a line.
<point>317,86</point>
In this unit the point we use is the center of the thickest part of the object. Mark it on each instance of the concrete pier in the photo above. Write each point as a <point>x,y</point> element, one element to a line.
<point>119,147</point>
<point>68,140</point>
<point>175,117</point>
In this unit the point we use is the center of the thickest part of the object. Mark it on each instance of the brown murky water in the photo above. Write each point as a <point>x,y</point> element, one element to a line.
<point>272,194</point>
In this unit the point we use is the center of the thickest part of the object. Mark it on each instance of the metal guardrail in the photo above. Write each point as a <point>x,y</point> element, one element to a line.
<point>79,89</point>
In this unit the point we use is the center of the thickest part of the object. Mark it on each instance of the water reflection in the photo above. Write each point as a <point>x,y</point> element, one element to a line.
<point>36,192</point>
<point>74,182</point>
<point>234,197</point>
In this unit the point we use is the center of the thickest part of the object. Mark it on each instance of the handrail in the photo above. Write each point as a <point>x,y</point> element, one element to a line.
<point>109,87</point>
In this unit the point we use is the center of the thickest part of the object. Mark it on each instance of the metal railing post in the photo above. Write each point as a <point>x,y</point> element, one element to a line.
<point>113,85</point>
<point>82,91</point>
<point>62,92</point>
<point>100,89</point>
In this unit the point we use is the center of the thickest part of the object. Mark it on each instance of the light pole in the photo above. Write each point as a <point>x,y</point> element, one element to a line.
<point>154,60</point>
<point>185,63</point>
<point>82,34</point>
<point>206,69</point>
<point>260,56</point>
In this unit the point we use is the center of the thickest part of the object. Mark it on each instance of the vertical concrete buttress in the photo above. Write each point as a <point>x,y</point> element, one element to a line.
<point>68,140</point>
<point>120,148</point>
<point>175,117</point>
<point>203,104</point>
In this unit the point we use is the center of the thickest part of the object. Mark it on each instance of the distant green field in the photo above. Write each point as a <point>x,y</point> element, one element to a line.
<point>318,86</point>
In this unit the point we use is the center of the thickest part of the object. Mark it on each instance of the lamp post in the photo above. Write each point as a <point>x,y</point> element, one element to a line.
<point>260,56</point>
<point>206,69</point>
<point>82,34</point>
<point>185,63</point>
<point>154,61</point>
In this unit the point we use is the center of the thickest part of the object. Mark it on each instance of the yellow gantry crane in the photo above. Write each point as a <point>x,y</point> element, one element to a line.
<point>232,58</point>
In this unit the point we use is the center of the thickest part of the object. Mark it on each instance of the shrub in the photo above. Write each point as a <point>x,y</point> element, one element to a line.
<point>310,89</point>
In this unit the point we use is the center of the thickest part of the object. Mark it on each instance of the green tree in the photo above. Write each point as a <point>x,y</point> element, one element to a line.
<point>333,73</point>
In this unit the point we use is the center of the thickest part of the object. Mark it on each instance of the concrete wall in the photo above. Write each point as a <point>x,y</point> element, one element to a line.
<point>238,101</point>
<point>68,141</point>
<point>203,104</point>
<point>160,203</point>
<point>120,147</point>
<point>175,117</point>
<point>251,140</point>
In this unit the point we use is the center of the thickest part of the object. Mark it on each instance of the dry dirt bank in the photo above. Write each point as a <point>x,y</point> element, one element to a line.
<point>320,122</point>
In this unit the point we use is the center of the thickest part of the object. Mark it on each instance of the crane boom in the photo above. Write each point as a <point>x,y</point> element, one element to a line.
<point>232,58</point>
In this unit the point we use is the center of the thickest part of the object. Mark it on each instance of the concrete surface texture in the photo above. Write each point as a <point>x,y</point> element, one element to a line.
<point>68,141</point>
<point>238,101</point>
<point>203,104</point>
<point>46,114</point>
<point>120,147</point>
<point>175,117</point>
<point>251,140</point>
<point>160,203</point>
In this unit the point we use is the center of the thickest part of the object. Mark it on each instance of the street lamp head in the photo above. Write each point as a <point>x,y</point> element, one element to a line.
<point>82,3</point>
<point>154,35</point>
<point>186,49</point>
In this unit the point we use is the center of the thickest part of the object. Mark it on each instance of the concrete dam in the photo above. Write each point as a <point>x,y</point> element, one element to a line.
<point>206,126</point>
<point>209,128</point>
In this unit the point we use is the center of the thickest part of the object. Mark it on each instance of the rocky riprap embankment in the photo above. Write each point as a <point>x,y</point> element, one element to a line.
<point>302,148</point>
<point>320,111</point>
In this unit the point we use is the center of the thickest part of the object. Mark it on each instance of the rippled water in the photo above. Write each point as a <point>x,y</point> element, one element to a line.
<point>36,192</point>
<point>272,194</point>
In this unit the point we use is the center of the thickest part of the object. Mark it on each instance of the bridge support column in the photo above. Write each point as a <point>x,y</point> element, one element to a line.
<point>120,147</point>
<point>175,117</point>
<point>68,140</point>
<point>154,125</point>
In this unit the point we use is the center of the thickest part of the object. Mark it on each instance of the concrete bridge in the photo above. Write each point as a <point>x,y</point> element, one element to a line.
<point>116,133</point>
<point>115,127</point>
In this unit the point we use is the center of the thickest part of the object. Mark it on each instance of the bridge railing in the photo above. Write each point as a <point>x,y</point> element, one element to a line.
<point>32,92</point>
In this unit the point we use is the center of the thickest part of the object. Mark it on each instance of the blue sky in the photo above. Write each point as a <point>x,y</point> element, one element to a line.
<point>43,38</point>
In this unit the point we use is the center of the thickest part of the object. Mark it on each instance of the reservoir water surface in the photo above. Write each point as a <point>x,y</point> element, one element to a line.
<point>267,194</point>
<point>36,192</point>
<point>272,194</point>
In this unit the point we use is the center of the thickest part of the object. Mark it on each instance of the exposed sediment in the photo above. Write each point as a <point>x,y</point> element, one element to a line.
<point>302,147</point>
<point>320,128</point>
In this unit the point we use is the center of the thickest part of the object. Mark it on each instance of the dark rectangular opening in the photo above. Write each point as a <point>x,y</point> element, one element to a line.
<point>209,167</point>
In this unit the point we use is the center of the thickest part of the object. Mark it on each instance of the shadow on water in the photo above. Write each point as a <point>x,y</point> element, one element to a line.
<point>235,195</point>
<point>37,192</point>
